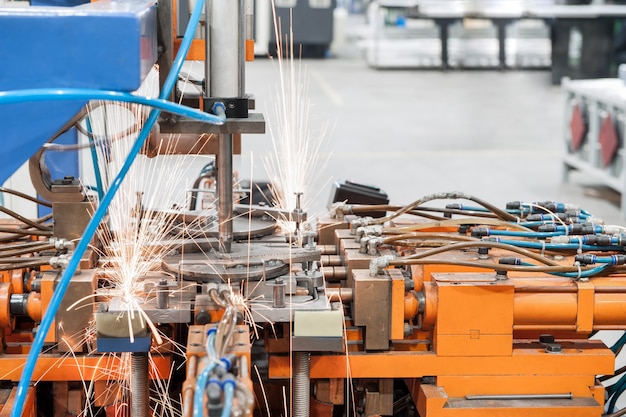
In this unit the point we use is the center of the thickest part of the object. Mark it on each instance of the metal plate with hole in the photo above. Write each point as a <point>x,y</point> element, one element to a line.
<point>243,229</point>
<point>244,262</point>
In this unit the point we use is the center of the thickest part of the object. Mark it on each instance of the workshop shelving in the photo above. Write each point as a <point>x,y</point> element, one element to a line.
<point>594,125</point>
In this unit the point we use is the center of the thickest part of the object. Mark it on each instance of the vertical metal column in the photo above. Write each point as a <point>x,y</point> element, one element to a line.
<point>225,191</point>
<point>225,79</point>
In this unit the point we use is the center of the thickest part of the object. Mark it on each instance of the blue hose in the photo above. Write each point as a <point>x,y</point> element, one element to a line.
<point>229,394</point>
<point>560,246</point>
<point>533,235</point>
<point>61,94</point>
<point>57,297</point>
<point>94,160</point>
<point>201,383</point>
<point>210,344</point>
<point>583,274</point>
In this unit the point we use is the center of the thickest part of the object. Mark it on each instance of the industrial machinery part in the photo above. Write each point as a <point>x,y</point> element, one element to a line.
<point>423,309</point>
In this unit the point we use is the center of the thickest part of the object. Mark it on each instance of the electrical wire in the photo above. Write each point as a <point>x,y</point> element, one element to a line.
<point>57,297</point>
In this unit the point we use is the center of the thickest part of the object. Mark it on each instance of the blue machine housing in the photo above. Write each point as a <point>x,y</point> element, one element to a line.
<point>107,45</point>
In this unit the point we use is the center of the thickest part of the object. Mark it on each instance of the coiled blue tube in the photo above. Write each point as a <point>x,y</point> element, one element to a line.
<point>62,94</point>
<point>90,231</point>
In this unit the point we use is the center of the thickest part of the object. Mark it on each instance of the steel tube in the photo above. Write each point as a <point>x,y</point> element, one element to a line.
<point>225,32</point>
<point>225,191</point>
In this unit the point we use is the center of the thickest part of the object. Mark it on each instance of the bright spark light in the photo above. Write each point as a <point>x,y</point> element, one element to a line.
<point>296,162</point>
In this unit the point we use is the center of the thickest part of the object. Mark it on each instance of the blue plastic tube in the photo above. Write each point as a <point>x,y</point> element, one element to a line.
<point>201,383</point>
<point>94,161</point>
<point>560,246</point>
<point>90,231</point>
<point>86,94</point>
<point>229,394</point>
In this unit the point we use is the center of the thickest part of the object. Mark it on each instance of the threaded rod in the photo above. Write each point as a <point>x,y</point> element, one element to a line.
<point>139,385</point>
<point>301,384</point>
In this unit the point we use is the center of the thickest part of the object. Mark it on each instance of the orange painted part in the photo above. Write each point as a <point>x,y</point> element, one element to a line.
<point>542,303</point>
<point>29,409</point>
<point>17,280</point>
<point>410,306</point>
<point>197,49</point>
<point>577,358</point>
<point>434,402</point>
<point>460,386</point>
<point>397,306</point>
<point>47,290</point>
<point>249,50</point>
<point>430,310</point>
<point>608,309</point>
<point>5,296</point>
<point>441,268</point>
<point>467,325</point>
<point>80,368</point>
<point>545,308</point>
<point>34,307</point>
<point>417,274</point>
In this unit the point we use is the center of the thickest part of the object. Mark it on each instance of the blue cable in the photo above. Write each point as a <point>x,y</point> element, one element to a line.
<point>229,394</point>
<point>94,160</point>
<point>86,94</point>
<point>57,297</point>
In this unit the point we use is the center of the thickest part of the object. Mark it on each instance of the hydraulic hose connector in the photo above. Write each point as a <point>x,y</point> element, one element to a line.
<point>378,265</point>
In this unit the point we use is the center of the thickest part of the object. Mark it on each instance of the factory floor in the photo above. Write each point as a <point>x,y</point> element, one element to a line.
<point>495,134</point>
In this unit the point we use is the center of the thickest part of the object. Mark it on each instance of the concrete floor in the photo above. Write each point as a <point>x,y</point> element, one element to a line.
<point>497,135</point>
